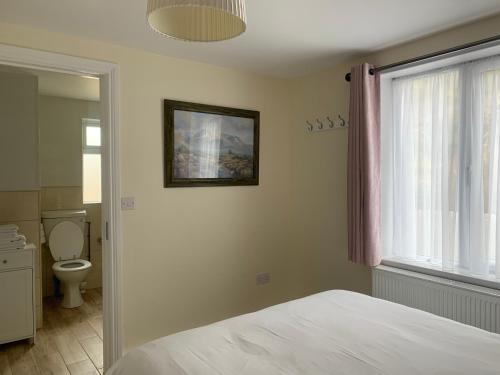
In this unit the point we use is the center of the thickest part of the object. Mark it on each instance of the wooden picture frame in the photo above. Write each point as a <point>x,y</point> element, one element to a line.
<point>206,145</point>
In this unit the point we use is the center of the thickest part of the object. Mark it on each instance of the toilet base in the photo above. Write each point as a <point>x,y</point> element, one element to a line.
<point>72,296</point>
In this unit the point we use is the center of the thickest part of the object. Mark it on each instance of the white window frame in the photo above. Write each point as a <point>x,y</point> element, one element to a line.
<point>386,100</point>
<point>90,123</point>
<point>97,150</point>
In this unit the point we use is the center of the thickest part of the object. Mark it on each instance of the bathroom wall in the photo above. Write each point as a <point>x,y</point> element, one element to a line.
<point>19,139</point>
<point>60,123</point>
<point>19,171</point>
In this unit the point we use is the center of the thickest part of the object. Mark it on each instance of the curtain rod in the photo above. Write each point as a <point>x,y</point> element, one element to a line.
<point>449,51</point>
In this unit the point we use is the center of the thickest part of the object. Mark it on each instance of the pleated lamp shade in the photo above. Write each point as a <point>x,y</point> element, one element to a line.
<point>198,20</point>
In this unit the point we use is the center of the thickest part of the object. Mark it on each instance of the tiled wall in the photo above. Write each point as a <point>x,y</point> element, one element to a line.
<point>61,198</point>
<point>65,198</point>
<point>23,209</point>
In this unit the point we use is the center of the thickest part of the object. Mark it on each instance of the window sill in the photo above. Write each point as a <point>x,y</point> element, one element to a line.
<point>488,282</point>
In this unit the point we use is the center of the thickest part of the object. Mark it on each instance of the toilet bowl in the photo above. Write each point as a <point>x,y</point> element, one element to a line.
<point>64,229</point>
<point>71,273</point>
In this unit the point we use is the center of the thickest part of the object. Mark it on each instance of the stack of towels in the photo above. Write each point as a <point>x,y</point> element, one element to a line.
<point>10,239</point>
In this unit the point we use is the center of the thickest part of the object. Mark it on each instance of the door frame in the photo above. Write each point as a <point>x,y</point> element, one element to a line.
<point>110,206</point>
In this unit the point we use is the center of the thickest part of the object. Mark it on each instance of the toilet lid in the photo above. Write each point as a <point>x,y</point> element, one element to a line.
<point>66,241</point>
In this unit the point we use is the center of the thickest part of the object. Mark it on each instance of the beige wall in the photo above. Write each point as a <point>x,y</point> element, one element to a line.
<point>321,172</point>
<point>191,255</point>
<point>60,124</point>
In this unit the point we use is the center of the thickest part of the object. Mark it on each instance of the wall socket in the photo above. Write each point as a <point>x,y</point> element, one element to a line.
<point>263,278</point>
<point>128,203</point>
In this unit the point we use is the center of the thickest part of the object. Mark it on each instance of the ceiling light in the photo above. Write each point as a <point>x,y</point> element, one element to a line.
<point>198,20</point>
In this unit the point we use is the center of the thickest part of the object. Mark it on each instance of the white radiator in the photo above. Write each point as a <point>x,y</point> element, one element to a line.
<point>465,303</point>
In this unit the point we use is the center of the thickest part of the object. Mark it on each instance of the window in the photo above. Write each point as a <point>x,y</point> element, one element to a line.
<point>440,168</point>
<point>91,161</point>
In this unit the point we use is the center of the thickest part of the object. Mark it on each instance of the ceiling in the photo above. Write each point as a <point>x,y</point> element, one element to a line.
<point>284,38</point>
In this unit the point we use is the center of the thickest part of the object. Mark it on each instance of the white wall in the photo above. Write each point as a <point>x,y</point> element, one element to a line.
<point>19,141</point>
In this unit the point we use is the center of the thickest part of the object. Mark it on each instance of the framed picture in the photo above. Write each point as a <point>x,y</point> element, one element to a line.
<point>210,146</point>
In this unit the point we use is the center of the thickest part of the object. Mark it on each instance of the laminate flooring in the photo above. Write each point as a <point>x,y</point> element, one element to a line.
<point>70,341</point>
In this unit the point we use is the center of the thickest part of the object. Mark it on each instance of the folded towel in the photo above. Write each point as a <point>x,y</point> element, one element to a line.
<point>8,236</point>
<point>8,228</point>
<point>14,240</point>
<point>20,247</point>
<point>13,246</point>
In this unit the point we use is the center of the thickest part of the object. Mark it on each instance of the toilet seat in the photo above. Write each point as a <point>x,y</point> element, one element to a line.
<point>66,241</point>
<point>71,265</point>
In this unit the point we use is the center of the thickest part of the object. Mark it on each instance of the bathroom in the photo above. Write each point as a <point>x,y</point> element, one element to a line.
<point>50,191</point>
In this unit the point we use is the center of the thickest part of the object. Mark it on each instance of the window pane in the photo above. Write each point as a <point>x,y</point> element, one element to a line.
<point>426,154</point>
<point>444,169</point>
<point>91,178</point>
<point>490,113</point>
<point>93,136</point>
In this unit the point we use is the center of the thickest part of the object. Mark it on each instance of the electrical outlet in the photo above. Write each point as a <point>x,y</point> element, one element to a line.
<point>128,203</point>
<point>263,278</point>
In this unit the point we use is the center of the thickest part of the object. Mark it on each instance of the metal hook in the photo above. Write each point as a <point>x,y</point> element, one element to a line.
<point>342,122</point>
<point>320,124</point>
<point>310,126</point>
<point>332,124</point>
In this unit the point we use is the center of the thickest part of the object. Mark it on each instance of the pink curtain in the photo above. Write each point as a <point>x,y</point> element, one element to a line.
<point>363,168</point>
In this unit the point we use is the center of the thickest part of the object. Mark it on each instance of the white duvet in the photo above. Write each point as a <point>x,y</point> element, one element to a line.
<point>335,332</point>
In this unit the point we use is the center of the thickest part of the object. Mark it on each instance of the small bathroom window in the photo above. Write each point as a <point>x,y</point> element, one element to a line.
<point>93,136</point>
<point>91,161</point>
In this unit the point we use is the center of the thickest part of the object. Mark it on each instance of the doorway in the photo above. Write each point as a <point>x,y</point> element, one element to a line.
<point>110,226</point>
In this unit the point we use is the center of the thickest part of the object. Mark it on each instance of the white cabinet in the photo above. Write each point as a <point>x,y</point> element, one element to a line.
<point>17,304</point>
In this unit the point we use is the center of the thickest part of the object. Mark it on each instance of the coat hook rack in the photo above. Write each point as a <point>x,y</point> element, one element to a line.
<point>332,124</point>
<point>328,124</point>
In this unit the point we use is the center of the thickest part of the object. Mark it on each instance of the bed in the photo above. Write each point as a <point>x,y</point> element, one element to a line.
<point>334,332</point>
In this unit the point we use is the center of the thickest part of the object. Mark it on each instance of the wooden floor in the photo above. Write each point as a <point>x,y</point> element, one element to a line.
<point>70,341</point>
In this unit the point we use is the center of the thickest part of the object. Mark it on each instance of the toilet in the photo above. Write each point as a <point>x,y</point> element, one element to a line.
<point>64,231</point>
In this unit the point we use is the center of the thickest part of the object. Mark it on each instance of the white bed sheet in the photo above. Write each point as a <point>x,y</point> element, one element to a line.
<point>335,332</point>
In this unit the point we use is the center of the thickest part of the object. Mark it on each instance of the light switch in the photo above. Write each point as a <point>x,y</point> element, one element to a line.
<point>128,203</point>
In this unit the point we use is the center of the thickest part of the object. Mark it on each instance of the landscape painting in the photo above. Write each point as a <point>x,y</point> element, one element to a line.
<point>210,146</point>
